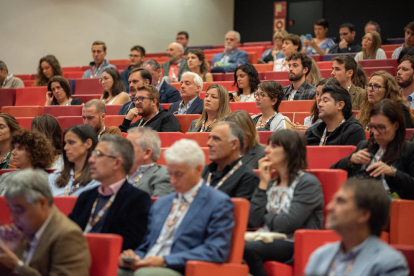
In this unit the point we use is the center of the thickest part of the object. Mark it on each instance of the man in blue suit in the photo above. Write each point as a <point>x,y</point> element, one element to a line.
<point>358,213</point>
<point>232,57</point>
<point>191,86</point>
<point>194,223</point>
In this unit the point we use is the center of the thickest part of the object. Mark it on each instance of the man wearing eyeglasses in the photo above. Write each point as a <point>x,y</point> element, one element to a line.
<point>146,102</point>
<point>136,57</point>
<point>116,206</point>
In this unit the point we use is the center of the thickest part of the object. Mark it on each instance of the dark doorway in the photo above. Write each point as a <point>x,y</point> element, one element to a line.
<point>304,15</point>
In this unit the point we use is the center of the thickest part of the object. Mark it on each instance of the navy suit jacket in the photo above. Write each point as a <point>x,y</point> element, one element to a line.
<point>195,108</point>
<point>127,216</point>
<point>204,233</point>
<point>237,58</point>
<point>168,93</point>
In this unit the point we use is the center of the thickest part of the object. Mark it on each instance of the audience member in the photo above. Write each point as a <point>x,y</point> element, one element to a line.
<point>383,86</point>
<point>409,40</point>
<point>168,94</point>
<point>113,87</point>
<point>371,47</point>
<point>252,150</point>
<point>136,57</point>
<point>372,26</point>
<point>409,51</point>
<point>8,80</point>
<point>191,87</point>
<point>8,127</point>
<point>268,97</point>
<point>360,78</point>
<point>405,77</point>
<point>246,79</point>
<point>216,107</point>
<point>198,227</point>
<point>232,57</point>
<point>50,127</point>
<point>146,101</point>
<point>94,114</point>
<point>176,64</point>
<point>292,201</point>
<point>99,63</point>
<point>338,126</point>
<point>344,67</point>
<point>319,45</point>
<point>227,172</point>
<point>145,174</point>
<point>78,143</point>
<point>48,67</point>
<point>270,55</point>
<point>59,93</point>
<point>314,76</point>
<point>115,206</point>
<point>348,43</point>
<point>291,44</point>
<point>183,38</point>
<point>42,241</point>
<point>197,63</point>
<point>357,213</point>
<point>299,67</point>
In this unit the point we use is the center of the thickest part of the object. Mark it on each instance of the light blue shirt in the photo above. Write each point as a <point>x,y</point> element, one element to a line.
<point>411,101</point>
<point>56,191</point>
<point>182,107</point>
<point>345,261</point>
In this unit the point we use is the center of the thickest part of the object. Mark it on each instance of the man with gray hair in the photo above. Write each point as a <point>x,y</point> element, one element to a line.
<point>232,57</point>
<point>194,223</point>
<point>6,80</point>
<point>42,241</point>
<point>116,206</point>
<point>145,174</point>
<point>227,172</point>
<point>191,86</point>
<point>94,114</point>
<point>176,64</point>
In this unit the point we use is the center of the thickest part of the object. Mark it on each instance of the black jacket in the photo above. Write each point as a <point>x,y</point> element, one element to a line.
<point>353,48</point>
<point>195,108</point>
<point>164,121</point>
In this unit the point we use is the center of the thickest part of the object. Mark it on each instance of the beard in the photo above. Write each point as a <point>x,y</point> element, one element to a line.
<point>98,127</point>
<point>295,77</point>
<point>405,84</point>
<point>145,111</point>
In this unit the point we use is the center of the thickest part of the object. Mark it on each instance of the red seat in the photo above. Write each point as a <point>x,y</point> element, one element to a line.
<point>408,252</point>
<point>264,136</point>
<point>324,65</point>
<point>228,77</point>
<point>263,67</point>
<point>72,69</point>
<point>217,76</point>
<point>316,57</point>
<point>227,84</point>
<point>390,47</point>
<point>71,110</point>
<point>87,97</point>
<point>402,223</point>
<point>119,62</point>
<point>65,204</point>
<point>68,121</point>
<point>73,75</point>
<point>166,105</point>
<point>367,134</point>
<point>5,211</point>
<point>250,107</point>
<point>161,160</point>
<point>23,111</point>
<point>277,75</point>
<point>185,120</point>
<point>8,97</point>
<point>324,157</point>
<point>28,83</point>
<point>31,96</point>
<point>113,109</point>
<point>296,117</point>
<point>253,44</point>
<point>378,63</point>
<point>370,70</point>
<point>326,73</point>
<point>200,137</point>
<point>408,133</point>
<point>25,122</point>
<point>202,95</point>
<point>23,77</point>
<point>88,86</point>
<point>296,106</point>
<point>169,138</point>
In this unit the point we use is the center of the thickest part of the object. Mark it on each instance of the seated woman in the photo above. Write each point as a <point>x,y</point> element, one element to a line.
<point>319,45</point>
<point>252,150</point>
<point>268,97</point>
<point>50,127</point>
<point>314,77</point>
<point>291,44</point>
<point>48,67</point>
<point>216,107</point>
<point>386,156</point>
<point>359,79</point>
<point>30,150</point>
<point>371,47</point>
<point>59,93</point>
<point>8,126</point>
<point>197,64</point>
<point>246,79</point>
<point>270,55</point>
<point>114,89</point>
<point>78,143</point>
<point>292,201</point>
<point>381,86</point>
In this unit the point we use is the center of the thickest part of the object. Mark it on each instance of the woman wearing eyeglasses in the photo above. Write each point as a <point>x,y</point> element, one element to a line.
<point>113,87</point>
<point>371,47</point>
<point>59,93</point>
<point>383,86</point>
<point>386,155</point>
<point>78,143</point>
<point>276,52</point>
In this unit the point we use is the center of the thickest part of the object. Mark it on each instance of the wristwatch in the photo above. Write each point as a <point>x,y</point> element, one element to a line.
<point>18,267</point>
<point>393,171</point>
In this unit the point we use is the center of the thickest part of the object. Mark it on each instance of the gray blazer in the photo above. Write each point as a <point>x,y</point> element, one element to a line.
<point>155,181</point>
<point>375,259</point>
<point>252,155</point>
<point>192,127</point>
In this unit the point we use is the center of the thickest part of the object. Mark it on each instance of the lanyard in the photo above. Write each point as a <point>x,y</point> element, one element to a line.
<point>140,176</point>
<point>140,122</point>
<point>324,138</point>
<point>94,73</point>
<point>93,221</point>
<point>99,135</point>
<point>207,127</point>
<point>348,269</point>
<point>260,126</point>
<point>179,108</point>
<point>72,190</point>
<point>226,176</point>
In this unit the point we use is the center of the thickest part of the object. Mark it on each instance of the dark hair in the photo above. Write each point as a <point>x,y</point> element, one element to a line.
<point>63,83</point>
<point>359,78</point>
<point>200,54</point>
<point>340,94</point>
<point>11,122</point>
<point>274,90</point>
<point>139,49</point>
<point>184,33</point>
<point>152,92</point>
<point>50,127</point>
<point>295,39</point>
<point>294,147</point>
<point>41,79</point>
<point>153,63</point>
<point>409,51</point>
<point>350,26</point>
<point>98,42</point>
<point>348,62</point>
<point>314,113</point>
<point>371,196</point>
<point>410,26</point>
<point>410,59</point>
<point>118,85</point>
<point>305,60</point>
<point>322,22</point>
<point>84,132</point>
<point>251,72</point>
<point>3,65</point>
<point>375,24</point>
<point>145,74</point>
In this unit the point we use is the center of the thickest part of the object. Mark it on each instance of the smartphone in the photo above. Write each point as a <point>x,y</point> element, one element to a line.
<point>128,260</point>
<point>309,37</point>
<point>231,96</point>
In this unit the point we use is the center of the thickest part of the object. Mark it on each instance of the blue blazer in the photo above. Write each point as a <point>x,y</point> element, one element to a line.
<point>195,108</point>
<point>375,258</point>
<point>204,234</point>
<point>168,93</point>
<point>237,58</point>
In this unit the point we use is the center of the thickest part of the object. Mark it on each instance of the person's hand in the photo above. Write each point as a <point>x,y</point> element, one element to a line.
<point>265,172</point>
<point>49,98</point>
<point>311,43</point>
<point>236,98</point>
<point>300,128</point>
<point>8,260</point>
<point>11,237</point>
<point>379,168</point>
<point>129,254</point>
<point>152,261</point>
<point>343,44</point>
<point>132,113</point>
<point>360,157</point>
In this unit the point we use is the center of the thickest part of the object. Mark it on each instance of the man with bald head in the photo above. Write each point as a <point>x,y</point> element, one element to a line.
<point>176,65</point>
<point>94,114</point>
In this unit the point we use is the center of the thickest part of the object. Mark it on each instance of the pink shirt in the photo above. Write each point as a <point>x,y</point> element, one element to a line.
<point>112,189</point>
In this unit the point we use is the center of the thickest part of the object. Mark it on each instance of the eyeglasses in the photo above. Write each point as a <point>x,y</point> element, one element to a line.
<point>140,99</point>
<point>101,80</point>
<point>259,95</point>
<point>379,128</point>
<point>99,154</point>
<point>374,87</point>
<point>278,38</point>
<point>135,56</point>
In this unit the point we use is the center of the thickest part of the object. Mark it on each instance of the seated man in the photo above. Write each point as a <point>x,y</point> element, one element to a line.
<point>194,223</point>
<point>338,126</point>
<point>176,64</point>
<point>136,57</point>
<point>372,26</point>
<point>6,80</point>
<point>191,86</point>
<point>182,38</point>
<point>94,114</point>
<point>405,79</point>
<point>348,43</point>
<point>116,206</point>
<point>145,174</point>
<point>42,241</point>
<point>408,40</point>
<point>232,57</point>
<point>358,212</point>
<point>300,66</point>
<point>226,172</point>
<point>99,62</point>
<point>146,105</point>
<point>168,93</point>
<point>344,68</point>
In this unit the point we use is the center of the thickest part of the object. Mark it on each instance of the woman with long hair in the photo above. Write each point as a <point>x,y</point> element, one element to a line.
<point>8,126</point>
<point>48,67</point>
<point>113,87</point>
<point>359,79</point>
<point>270,55</point>
<point>314,76</point>
<point>371,47</point>
<point>246,79</point>
<point>59,93</point>
<point>319,45</point>
<point>197,63</point>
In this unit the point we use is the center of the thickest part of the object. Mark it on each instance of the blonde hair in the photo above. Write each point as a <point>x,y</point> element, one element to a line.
<point>243,119</point>
<point>315,74</point>
<point>282,33</point>
<point>376,44</point>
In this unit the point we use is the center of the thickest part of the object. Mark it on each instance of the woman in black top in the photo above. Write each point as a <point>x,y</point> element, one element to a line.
<point>59,93</point>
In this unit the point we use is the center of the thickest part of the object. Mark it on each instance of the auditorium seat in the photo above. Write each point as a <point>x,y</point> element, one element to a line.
<point>408,252</point>
<point>329,57</point>
<point>317,57</point>
<point>88,86</point>
<point>253,44</point>
<point>73,75</point>
<point>202,95</point>
<point>119,61</point>
<point>263,67</point>
<point>71,110</point>
<point>5,211</point>
<point>218,76</point>
<point>166,105</point>
<point>296,117</point>
<point>169,138</point>
<point>390,47</point>
<point>370,70</point>
<point>324,157</point>
<point>161,160</point>
<point>200,137</point>
<point>250,107</point>
<point>326,73</point>
<point>264,136</point>
<point>296,106</point>
<point>68,121</point>
<point>23,77</point>
<point>28,83</point>
<point>24,122</point>
<point>402,223</point>
<point>72,69</point>
<point>185,120</point>
<point>276,75</point>
<point>31,96</point>
<point>113,109</point>
<point>8,97</point>
<point>87,97</point>
<point>325,65</point>
<point>65,204</point>
<point>378,63</point>
<point>408,133</point>
<point>23,111</point>
<point>367,134</point>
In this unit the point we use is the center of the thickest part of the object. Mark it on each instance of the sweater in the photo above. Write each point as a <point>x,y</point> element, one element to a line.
<point>164,121</point>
